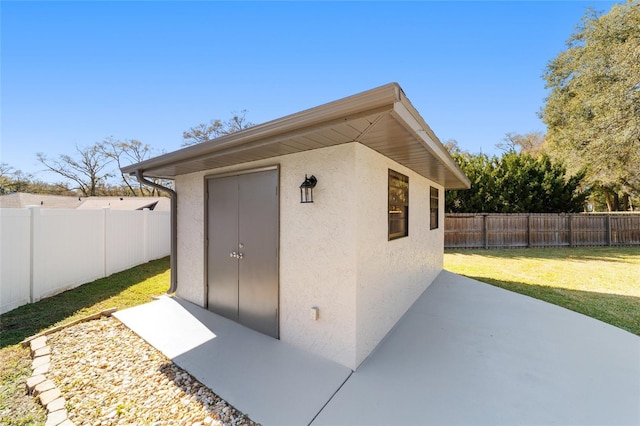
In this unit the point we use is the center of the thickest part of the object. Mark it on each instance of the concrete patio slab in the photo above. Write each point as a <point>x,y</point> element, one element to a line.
<point>268,380</point>
<point>467,353</point>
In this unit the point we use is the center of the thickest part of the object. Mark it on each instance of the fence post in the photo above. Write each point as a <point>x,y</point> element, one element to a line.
<point>570,230</point>
<point>105,242</point>
<point>145,233</point>
<point>485,235</point>
<point>528,230</point>
<point>608,229</point>
<point>34,228</point>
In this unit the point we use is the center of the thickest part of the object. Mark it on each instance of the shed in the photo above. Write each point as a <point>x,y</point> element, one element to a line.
<point>331,276</point>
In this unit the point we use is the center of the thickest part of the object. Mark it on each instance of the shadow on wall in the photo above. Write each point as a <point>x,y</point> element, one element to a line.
<point>618,310</point>
<point>27,320</point>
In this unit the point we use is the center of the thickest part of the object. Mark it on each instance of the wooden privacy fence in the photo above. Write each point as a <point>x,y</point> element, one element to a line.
<point>495,230</point>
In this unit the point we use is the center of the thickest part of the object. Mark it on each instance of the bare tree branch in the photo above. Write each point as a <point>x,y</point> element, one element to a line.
<point>87,170</point>
<point>205,132</point>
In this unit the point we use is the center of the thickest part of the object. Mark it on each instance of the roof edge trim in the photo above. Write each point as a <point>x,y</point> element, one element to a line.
<point>388,94</point>
<point>416,124</point>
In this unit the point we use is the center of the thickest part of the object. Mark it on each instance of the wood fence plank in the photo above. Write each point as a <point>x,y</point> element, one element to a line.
<point>496,230</point>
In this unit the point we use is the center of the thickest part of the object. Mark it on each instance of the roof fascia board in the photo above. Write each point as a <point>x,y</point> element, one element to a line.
<point>412,121</point>
<point>337,110</point>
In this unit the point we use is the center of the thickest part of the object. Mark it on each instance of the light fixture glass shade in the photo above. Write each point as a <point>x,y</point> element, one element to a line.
<point>306,189</point>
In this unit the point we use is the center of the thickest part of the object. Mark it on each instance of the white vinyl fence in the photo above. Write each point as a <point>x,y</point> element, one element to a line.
<point>46,251</point>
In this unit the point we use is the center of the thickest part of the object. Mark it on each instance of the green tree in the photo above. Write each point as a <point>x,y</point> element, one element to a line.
<point>527,184</point>
<point>592,112</point>
<point>482,196</point>
<point>5,178</point>
<point>515,183</point>
<point>12,180</point>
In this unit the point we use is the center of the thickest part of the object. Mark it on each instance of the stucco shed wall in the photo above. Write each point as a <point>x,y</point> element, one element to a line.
<point>334,254</point>
<point>318,254</point>
<point>191,250</point>
<point>317,259</point>
<point>391,274</point>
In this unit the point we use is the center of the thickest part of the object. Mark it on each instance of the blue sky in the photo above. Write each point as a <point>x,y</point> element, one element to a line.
<point>74,73</point>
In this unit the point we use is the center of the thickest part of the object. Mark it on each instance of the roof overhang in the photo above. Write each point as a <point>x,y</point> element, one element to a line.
<point>382,119</point>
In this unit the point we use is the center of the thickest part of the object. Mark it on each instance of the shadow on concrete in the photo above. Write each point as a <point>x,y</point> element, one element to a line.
<point>269,380</point>
<point>465,353</point>
<point>468,353</point>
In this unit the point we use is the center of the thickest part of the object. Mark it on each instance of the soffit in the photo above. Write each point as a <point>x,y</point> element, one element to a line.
<point>300,141</point>
<point>388,125</point>
<point>393,140</point>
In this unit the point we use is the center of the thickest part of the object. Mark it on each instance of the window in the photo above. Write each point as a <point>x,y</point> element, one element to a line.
<point>434,201</point>
<point>398,205</point>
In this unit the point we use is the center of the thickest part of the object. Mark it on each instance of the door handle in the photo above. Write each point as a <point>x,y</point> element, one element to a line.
<point>236,255</point>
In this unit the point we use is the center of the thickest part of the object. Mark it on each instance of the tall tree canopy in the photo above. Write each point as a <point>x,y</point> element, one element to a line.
<point>592,112</point>
<point>515,183</point>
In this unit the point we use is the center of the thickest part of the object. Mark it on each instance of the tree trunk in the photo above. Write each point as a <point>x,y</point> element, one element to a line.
<point>613,201</point>
<point>626,202</point>
<point>607,197</point>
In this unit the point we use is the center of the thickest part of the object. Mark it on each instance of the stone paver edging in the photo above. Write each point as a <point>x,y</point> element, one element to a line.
<point>96,371</point>
<point>42,388</point>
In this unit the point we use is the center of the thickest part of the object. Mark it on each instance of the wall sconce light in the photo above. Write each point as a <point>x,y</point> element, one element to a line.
<point>306,189</point>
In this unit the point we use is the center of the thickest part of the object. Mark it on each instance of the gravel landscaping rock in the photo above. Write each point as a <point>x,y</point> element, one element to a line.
<point>109,376</point>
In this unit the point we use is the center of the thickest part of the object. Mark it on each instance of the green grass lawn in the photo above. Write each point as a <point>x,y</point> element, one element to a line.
<point>601,282</point>
<point>122,290</point>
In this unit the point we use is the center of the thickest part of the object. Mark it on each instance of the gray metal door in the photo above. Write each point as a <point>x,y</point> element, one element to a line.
<point>243,249</point>
<point>223,240</point>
